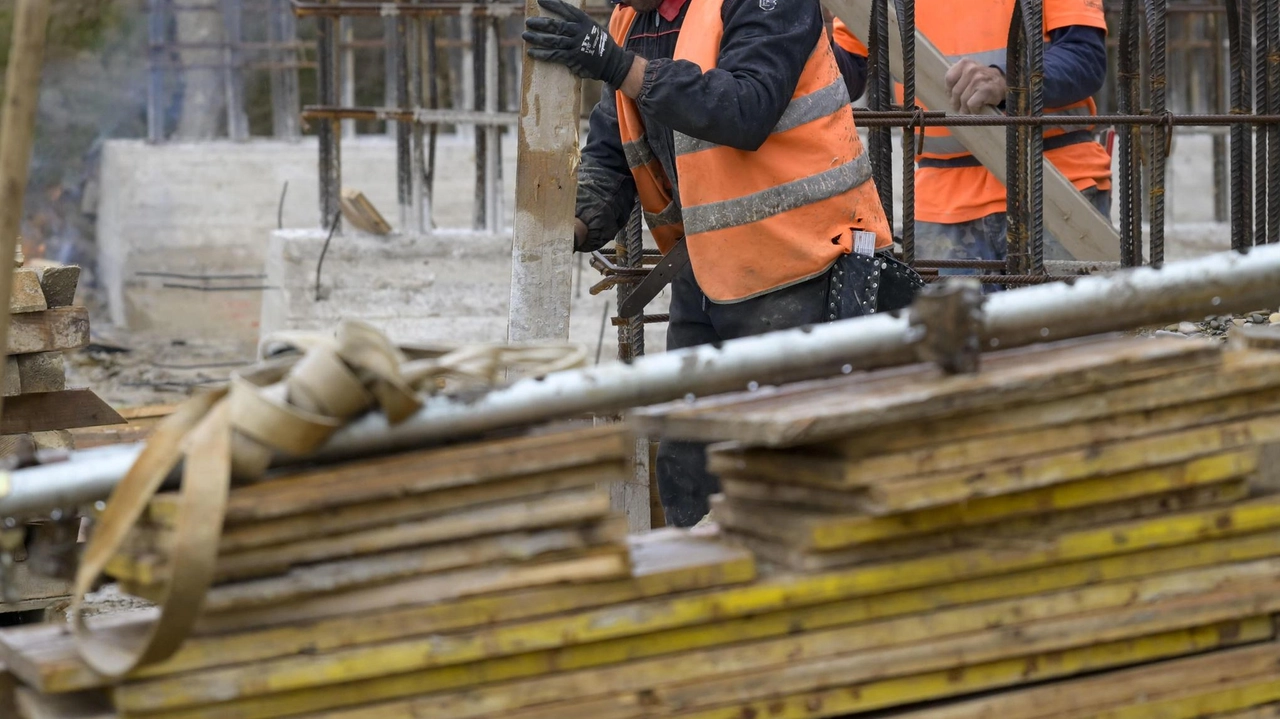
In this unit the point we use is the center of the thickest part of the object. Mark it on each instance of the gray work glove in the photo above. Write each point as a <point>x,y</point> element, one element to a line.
<point>577,42</point>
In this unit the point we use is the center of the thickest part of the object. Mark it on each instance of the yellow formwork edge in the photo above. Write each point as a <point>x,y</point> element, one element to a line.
<point>768,595</point>
<point>993,675</point>
<point>845,530</point>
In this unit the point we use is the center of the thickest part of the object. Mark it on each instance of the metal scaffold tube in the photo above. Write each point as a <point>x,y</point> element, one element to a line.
<point>1219,284</point>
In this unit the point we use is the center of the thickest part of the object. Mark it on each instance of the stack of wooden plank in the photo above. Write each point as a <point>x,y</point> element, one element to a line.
<point>39,408</point>
<point>1159,604</point>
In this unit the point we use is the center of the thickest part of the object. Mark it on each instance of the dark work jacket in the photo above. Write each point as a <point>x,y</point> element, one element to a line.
<point>737,104</point>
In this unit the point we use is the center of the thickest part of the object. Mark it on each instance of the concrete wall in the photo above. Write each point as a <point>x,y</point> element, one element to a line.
<point>417,289</point>
<point>200,209</point>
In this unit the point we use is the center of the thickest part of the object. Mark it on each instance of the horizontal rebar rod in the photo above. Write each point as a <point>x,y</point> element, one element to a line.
<point>1218,284</point>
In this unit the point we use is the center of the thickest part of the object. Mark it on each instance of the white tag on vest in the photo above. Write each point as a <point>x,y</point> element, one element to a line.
<point>864,243</point>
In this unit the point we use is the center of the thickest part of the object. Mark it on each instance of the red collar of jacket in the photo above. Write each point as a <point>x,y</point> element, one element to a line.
<point>670,9</point>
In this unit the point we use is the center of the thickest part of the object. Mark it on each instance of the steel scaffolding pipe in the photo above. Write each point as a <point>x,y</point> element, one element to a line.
<point>1219,284</point>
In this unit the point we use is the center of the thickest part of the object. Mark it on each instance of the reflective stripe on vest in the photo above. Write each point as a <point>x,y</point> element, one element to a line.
<point>758,220</point>
<point>776,200</point>
<point>801,111</point>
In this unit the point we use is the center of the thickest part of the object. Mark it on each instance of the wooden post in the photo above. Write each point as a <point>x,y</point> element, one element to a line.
<point>1083,231</point>
<point>546,187</point>
<point>17,128</point>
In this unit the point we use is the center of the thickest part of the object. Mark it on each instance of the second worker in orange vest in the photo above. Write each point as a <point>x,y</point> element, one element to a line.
<point>730,121</point>
<point>960,206</point>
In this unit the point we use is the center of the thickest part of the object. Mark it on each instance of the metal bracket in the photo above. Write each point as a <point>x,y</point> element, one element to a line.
<point>946,318</point>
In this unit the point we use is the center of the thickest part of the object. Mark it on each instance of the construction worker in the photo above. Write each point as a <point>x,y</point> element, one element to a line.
<point>730,121</point>
<point>960,206</point>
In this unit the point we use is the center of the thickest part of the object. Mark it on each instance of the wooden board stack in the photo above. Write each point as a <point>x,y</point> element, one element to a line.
<point>39,409</point>
<point>1159,604</point>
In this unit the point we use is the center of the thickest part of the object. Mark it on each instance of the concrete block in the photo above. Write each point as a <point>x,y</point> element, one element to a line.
<point>12,378</point>
<point>438,288</point>
<point>27,295</point>
<point>42,372</point>
<point>58,282</point>
<point>65,328</point>
<point>182,224</point>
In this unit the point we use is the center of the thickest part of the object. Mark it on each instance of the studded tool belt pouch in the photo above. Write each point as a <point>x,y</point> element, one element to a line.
<point>866,284</point>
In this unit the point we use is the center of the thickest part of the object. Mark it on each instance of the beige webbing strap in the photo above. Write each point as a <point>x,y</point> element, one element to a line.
<point>290,405</point>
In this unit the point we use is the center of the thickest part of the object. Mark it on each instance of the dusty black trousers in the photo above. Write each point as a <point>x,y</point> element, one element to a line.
<point>851,288</point>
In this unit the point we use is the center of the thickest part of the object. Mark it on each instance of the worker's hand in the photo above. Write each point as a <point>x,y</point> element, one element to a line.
<point>577,42</point>
<point>579,234</point>
<point>973,86</point>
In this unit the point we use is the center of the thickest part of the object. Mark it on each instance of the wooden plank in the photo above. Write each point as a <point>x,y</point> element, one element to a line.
<point>55,410</point>
<point>333,578</point>
<point>843,407</point>
<point>1112,688</point>
<point>573,507</point>
<point>56,330</point>
<point>630,495</point>
<point>771,594</point>
<point>1101,460</point>
<point>547,148</point>
<point>17,132</point>
<point>1083,231</point>
<point>58,282</point>
<point>862,664</point>
<point>622,689</point>
<point>903,690</point>
<point>250,535</point>
<point>669,562</point>
<point>90,705</point>
<point>995,537</point>
<point>818,520</point>
<point>1239,372</point>
<point>396,476</point>
<point>7,686</point>
<point>1022,444</point>
<point>42,372</point>
<point>27,294</point>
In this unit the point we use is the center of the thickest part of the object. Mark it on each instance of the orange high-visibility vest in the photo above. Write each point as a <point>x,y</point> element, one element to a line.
<point>757,221</point>
<point>979,30</point>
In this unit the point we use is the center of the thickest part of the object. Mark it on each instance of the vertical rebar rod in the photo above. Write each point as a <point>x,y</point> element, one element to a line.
<point>629,249</point>
<point>157,40</point>
<point>346,29</point>
<point>907,25</point>
<point>479,98</point>
<point>1016,140</point>
<point>1240,34</point>
<point>397,48</point>
<point>417,159</point>
<point>433,101</point>
<point>1218,81</point>
<point>328,131</point>
<point>1272,131</point>
<point>1033,22</point>
<point>233,70</point>
<point>1157,154</point>
<point>879,93</point>
<point>390,83</point>
<point>282,32</point>
<point>1130,138</point>
<point>493,154</point>
<point>1261,99</point>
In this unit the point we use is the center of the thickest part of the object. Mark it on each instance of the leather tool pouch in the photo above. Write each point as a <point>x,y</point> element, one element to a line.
<point>861,285</point>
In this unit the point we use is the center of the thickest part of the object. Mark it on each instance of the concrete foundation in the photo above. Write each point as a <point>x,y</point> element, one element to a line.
<point>418,289</point>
